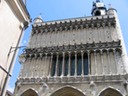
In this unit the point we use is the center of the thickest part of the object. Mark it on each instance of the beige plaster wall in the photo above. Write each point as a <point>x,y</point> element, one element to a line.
<point>9,34</point>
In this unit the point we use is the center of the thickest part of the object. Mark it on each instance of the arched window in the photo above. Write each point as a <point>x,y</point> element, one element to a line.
<point>110,92</point>
<point>29,92</point>
<point>53,65</point>
<point>60,65</point>
<point>79,64</point>
<point>67,91</point>
<point>98,13</point>
<point>72,65</point>
<point>66,65</point>
<point>86,70</point>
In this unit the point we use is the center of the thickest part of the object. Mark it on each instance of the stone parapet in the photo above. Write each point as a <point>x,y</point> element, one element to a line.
<point>38,52</point>
<point>73,79</point>
<point>74,24</point>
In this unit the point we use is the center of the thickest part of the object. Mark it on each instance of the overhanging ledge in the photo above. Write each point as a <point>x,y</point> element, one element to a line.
<point>20,10</point>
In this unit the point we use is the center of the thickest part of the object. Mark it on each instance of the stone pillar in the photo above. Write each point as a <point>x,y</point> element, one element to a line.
<point>46,55</point>
<point>27,67</point>
<point>82,58</point>
<point>75,63</point>
<point>95,62</point>
<point>40,65</point>
<point>114,53</point>
<point>21,72</point>
<point>32,64</point>
<point>89,65</point>
<point>69,64</point>
<point>108,61</point>
<point>50,65</point>
<point>63,63</point>
<point>101,56</point>
<point>56,70</point>
<point>36,66</point>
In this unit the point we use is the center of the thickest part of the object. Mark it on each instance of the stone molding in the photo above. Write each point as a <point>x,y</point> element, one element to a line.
<point>40,52</point>
<point>73,79</point>
<point>110,87</point>
<point>74,24</point>
<point>20,10</point>
<point>66,89</point>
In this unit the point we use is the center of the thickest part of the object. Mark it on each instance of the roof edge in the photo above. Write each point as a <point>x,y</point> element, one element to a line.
<point>19,10</point>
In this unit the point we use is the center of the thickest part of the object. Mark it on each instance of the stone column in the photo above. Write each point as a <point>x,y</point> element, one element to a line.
<point>46,55</point>
<point>89,65</point>
<point>40,59</point>
<point>101,56</point>
<point>63,63</point>
<point>69,64</point>
<point>36,66</point>
<point>21,71</point>
<point>32,64</point>
<point>75,63</point>
<point>108,61</point>
<point>50,65</point>
<point>95,62</point>
<point>56,70</point>
<point>27,67</point>
<point>82,53</point>
<point>114,53</point>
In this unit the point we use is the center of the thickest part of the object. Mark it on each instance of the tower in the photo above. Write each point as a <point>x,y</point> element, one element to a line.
<point>75,57</point>
<point>98,8</point>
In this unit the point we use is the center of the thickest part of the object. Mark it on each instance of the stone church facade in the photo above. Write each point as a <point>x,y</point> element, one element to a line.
<point>75,57</point>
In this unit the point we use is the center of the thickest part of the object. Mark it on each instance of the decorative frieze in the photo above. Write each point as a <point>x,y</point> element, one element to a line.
<point>72,79</point>
<point>74,24</point>
<point>39,52</point>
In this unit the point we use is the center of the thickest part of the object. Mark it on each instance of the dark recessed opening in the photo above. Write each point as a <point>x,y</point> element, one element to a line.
<point>98,13</point>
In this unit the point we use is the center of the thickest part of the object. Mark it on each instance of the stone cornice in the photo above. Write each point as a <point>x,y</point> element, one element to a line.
<point>38,52</point>
<point>74,24</point>
<point>20,10</point>
<point>72,79</point>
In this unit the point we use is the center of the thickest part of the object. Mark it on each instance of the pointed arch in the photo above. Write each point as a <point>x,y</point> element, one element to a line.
<point>68,91</point>
<point>110,92</point>
<point>29,92</point>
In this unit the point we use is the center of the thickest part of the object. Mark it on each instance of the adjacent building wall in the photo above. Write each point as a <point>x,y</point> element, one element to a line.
<point>11,32</point>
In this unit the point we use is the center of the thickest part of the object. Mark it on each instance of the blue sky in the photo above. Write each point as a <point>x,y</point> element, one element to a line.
<point>63,9</point>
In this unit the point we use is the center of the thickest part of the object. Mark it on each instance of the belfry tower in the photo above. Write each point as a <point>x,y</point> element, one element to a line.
<point>75,57</point>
